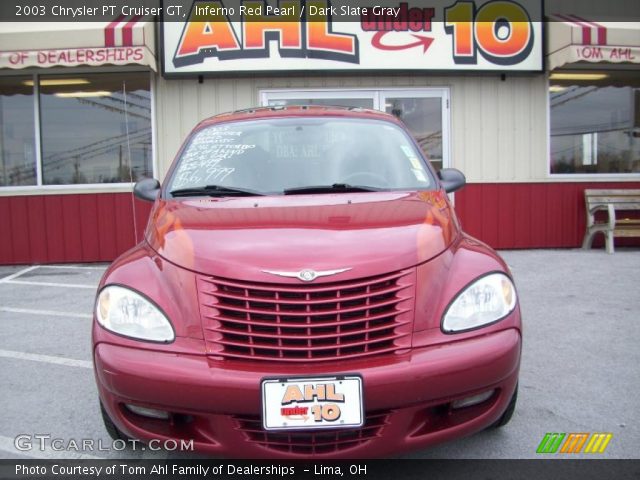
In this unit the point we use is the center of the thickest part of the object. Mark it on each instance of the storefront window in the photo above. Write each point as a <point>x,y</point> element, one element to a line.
<point>595,122</point>
<point>95,128</point>
<point>17,132</point>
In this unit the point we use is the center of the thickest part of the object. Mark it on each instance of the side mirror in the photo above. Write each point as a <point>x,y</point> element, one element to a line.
<point>452,179</point>
<point>147,189</point>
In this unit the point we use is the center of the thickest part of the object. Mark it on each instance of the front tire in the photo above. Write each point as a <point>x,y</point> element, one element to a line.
<point>110,427</point>
<point>508,413</point>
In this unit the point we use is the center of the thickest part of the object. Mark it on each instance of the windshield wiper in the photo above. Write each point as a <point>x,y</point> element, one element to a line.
<point>214,191</point>
<point>335,188</point>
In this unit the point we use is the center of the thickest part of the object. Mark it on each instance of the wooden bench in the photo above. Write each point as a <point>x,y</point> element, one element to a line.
<point>616,225</point>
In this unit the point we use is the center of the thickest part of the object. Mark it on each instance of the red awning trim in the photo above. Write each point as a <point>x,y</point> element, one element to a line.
<point>575,39</point>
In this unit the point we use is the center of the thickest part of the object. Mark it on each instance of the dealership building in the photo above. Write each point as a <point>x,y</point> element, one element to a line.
<point>533,112</point>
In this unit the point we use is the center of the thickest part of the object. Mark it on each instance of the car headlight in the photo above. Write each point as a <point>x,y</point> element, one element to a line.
<point>128,313</point>
<point>485,301</point>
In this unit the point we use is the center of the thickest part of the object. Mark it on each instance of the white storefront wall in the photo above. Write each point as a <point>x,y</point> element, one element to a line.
<point>498,127</point>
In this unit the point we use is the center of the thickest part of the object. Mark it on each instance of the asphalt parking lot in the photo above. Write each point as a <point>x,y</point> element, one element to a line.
<point>580,366</point>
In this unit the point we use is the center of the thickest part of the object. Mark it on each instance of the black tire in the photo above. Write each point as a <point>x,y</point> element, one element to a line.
<point>508,413</point>
<point>111,428</point>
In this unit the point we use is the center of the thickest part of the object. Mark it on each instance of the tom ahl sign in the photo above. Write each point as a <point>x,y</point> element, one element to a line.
<point>303,35</point>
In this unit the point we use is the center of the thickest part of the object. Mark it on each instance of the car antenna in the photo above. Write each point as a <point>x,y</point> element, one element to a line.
<point>130,162</point>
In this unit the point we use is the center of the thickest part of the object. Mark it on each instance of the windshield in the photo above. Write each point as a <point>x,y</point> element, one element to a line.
<point>274,156</point>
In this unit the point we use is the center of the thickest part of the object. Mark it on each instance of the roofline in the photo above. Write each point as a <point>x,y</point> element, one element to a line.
<point>297,110</point>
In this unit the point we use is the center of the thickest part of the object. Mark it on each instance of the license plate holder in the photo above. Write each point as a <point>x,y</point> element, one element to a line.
<point>312,403</point>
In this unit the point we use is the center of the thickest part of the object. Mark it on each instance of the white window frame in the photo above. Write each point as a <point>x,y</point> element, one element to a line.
<point>39,187</point>
<point>379,96</point>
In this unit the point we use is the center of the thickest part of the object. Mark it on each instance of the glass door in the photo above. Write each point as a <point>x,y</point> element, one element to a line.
<point>338,98</point>
<point>425,113</point>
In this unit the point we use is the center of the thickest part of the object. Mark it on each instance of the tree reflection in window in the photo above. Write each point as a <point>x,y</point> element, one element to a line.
<point>595,122</point>
<point>17,132</point>
<point>95,128</point>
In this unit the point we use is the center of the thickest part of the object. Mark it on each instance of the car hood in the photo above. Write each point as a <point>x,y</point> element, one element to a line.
<point>367,233</point>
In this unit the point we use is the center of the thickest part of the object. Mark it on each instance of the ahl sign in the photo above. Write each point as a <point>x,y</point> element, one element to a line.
<point>303,35</point>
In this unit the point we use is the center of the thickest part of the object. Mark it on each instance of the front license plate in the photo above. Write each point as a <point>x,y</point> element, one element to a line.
<point>305,403</point>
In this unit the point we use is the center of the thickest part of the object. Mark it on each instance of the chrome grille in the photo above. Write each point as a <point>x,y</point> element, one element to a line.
<point>319,322</point>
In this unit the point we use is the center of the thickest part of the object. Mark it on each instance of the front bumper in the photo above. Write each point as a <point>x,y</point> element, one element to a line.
<point>407,398</point>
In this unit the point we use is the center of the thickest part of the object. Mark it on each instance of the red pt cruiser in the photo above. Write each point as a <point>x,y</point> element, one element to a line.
<point>304,289</point>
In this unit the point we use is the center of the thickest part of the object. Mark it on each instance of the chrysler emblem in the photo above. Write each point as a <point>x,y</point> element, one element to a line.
<point>307,275</point>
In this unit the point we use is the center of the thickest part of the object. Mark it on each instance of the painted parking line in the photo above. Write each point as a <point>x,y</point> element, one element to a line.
<point>7,444</point>
<point>68,362</point>
<point>50,284</point>
<point>47,313</point>
<point>8,278</point>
